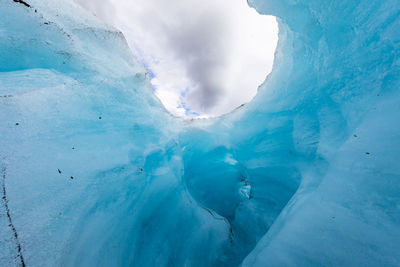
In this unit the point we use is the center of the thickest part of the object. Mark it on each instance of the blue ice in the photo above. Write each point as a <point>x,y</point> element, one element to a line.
<point>95,172</point>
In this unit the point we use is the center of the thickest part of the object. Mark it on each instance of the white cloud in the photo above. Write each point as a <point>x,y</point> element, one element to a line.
<point>208,56</point>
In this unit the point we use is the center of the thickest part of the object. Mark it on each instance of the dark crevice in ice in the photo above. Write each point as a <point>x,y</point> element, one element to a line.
<point>221,218</point>
<point>22,2</point>
<point>10,223</point>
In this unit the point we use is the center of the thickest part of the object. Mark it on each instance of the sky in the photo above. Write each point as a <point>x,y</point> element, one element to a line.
<point>204,58</point>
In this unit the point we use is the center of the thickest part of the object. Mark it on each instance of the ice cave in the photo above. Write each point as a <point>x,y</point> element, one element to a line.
<point>95,172</point>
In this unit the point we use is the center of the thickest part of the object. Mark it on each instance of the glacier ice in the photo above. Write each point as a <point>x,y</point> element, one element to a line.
<point>94,171</point>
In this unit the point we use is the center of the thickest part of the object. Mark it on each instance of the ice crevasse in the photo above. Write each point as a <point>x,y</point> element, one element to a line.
<point>95,172</point>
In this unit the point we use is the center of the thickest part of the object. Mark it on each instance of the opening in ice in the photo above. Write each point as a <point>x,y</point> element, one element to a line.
<point>203,59</point>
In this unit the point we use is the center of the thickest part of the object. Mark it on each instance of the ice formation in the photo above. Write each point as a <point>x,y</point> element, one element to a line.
<point>94,172</point>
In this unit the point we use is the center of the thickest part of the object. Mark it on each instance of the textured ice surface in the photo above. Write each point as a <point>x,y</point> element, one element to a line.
<point>94,172</point>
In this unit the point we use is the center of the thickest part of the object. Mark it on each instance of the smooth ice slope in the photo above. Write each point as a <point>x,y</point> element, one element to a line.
<point>97,173</point>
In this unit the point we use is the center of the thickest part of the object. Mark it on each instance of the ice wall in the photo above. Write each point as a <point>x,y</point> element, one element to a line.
<point>95,172</point>
<point>337,83</point>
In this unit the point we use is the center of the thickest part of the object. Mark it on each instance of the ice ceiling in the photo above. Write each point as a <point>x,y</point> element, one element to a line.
<point>94,171</point>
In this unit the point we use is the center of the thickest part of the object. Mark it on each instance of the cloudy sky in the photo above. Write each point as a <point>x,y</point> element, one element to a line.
<point>205,58</point>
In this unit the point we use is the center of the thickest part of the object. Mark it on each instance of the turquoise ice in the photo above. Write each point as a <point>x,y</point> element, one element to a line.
<point>95,172</point>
